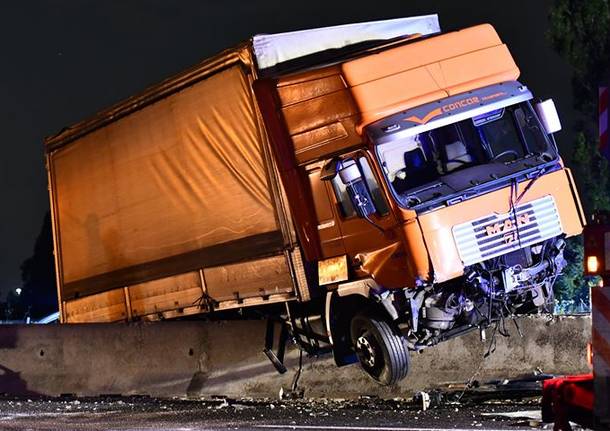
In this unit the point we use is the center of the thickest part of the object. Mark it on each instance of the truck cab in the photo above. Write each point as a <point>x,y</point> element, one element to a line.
<point>439,201</point>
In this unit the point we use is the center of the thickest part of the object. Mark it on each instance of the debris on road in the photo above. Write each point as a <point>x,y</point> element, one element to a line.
<point>506,390</point>
<point>364,412</point>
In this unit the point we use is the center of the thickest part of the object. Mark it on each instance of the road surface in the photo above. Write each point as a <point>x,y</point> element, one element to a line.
<point>363,414</point>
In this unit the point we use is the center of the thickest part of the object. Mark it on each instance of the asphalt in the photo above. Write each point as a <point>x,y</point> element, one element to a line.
<point>362,414</point>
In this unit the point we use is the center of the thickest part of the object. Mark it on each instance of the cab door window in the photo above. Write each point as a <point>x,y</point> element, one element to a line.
<point>343,199</point>
<point>373,186</point>
<point>345,204</point>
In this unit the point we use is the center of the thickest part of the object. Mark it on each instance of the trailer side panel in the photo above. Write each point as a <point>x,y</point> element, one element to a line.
<point>177,186</point>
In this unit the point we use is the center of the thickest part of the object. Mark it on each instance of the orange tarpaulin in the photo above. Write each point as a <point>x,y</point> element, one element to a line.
<point>181,174</point>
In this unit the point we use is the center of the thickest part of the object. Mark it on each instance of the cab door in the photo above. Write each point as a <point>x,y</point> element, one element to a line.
<point>358,234</point>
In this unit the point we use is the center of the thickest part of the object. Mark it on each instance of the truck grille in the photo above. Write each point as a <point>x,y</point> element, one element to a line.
<point>498,234</point>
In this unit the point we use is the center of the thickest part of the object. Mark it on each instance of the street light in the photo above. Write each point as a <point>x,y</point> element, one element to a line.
<point>18,291</point>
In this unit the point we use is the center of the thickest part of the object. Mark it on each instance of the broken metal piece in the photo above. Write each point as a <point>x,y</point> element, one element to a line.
<point>276,359</point>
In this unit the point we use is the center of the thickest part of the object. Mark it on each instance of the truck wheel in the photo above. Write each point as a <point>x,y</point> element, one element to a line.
<point>382,352</point>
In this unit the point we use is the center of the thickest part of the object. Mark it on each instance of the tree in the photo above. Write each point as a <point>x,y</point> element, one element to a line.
<point>591,169</point>
<point>579,33</point>
<point>39,295</point>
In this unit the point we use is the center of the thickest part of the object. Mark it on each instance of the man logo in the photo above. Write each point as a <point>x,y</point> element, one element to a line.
<point>506,226</point>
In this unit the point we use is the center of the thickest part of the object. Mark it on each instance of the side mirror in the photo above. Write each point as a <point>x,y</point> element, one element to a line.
<point>351,176</point>
<point>329,170</point>
<point>548,116</point>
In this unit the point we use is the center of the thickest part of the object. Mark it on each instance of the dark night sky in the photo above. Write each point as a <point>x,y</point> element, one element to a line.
<point>63,60</point>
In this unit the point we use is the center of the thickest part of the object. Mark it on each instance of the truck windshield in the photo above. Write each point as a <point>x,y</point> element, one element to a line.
<point>457,156</point>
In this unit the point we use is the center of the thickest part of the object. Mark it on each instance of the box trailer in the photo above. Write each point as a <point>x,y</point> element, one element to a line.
<point>169,203</point>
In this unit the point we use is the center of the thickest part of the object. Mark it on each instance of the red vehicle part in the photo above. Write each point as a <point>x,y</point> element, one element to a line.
<point>566,399</point>
<point>584,399</point>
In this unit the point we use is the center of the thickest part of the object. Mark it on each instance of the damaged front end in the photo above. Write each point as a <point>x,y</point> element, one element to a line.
<point>507,286</point>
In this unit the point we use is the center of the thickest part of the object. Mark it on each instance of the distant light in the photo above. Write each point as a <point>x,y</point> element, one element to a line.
<point>18,291</point>
<point>592,264</point>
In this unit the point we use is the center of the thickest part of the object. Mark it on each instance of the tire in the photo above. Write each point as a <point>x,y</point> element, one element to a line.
<point>382,352</point>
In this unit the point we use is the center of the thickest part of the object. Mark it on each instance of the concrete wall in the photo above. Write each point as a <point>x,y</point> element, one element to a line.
<point>225,358</point>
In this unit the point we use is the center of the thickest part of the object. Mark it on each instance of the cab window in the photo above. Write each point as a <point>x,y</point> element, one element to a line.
<point>373,186</point>
<point>345,204</point>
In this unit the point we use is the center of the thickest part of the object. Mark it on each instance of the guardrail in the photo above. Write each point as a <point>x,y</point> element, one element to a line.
<point>225,358</point>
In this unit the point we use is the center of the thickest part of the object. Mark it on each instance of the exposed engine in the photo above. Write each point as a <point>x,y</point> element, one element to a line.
<point>517,283</point>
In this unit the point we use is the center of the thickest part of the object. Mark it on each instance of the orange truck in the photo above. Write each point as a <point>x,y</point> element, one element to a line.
<point>376,188</point>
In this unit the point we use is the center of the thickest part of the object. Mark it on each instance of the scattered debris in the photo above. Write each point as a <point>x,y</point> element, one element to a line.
<point>288,394</point>
<point>484,404</point>
<point>521,414</point>
<point>472,392</point>
<point>425,400</point>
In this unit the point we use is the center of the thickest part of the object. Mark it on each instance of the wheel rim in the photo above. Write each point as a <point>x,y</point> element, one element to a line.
<point>367,351</point>
<point>381,351</point>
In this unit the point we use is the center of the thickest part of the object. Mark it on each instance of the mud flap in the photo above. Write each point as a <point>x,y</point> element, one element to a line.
<point>339,333</point>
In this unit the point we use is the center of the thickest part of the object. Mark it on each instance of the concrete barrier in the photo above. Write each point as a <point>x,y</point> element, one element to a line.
<point>225,358</point>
